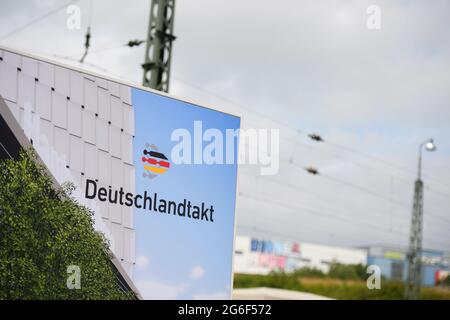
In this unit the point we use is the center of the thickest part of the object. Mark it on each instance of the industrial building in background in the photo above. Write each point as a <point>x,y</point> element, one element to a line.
<point>261,256</point>
<point>158,51</point>
<point>393,263</point>
<point>255,255</point>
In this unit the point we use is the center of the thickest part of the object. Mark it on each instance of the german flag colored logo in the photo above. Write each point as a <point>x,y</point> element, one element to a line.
<point>154,162</point>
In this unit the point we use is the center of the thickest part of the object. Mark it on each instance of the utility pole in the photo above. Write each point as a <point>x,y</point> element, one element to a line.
<point>158,51</point>
<point>414,256</point>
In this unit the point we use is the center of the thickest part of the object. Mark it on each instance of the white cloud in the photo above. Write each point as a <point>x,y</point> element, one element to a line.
<point>154,290</point>
<point>212,296</point>
<point>197,272</point>
<point>142,262</point>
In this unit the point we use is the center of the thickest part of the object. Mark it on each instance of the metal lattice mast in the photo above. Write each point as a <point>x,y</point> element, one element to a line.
<point>413,281</point>
<point>158,50</point>
<point>414,257</point>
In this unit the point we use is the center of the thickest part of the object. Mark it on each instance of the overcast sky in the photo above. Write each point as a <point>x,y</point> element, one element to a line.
<point>311,66</point>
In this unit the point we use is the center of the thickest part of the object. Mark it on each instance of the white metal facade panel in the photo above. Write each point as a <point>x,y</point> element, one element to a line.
<point>132,245</point>
<point>104,105</point>
<point>46,129</point>
<point>129,186</point>
<point>128,266</point>
<point>8,81</point>
<point>90,95</point>
<point>129,181</point>
<point>117,232</point>
<point>104,168</point>
<point>125,94</point>
<point>59,110</point>
<point>115,213</point>
<point>114,88</point>
<point>107,223</point>
<point>61,137</point>
<point>12,59</point>
<point>116,112</point>
<point>128,119</point>
<point>46,74</point>
<point>116,173</point>
<point>102,83</point>
<point>128,250</point>
<point>88,125</point>
<point>76,154</point>
<point>75,118</point>
<point>90,161</point>
<point>62,82</point>
<point>104,207</point>
<point>76,176</point>
<point>127,217</point>
<point>26,90</point>
<point>102,134</point>
<point>115,141</point>
<point>127,148</point>
<point>44,101</point>
<point>30,67</point>
<point>76,87</point>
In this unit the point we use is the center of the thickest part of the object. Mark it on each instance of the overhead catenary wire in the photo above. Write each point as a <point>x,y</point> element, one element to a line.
<point>87,42</point>
<point>296,238</point>
<point>371,192</point>
<point>309,227</point>
<point>364,166</point>
<point>302,189</point>
<point>368,191</point>
<point>297,143</point>
<point>385,162</point>
<point>36,20</point>
<point>298,130</point>
<point>298,209</point>
<point>338,217</point>
<point>289,237</point>
<point>231,102</point>
<point>130,44</point>
<point>288,185</point>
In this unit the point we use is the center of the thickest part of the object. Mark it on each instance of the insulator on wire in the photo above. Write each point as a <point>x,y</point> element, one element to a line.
<point>315,137</point>
<point>312,170</point>
<point>135,43</point>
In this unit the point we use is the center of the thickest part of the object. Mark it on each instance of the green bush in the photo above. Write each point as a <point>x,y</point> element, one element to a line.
<point>347,271</point>
<point>273,280</point>
<point>309,272</point>
<point>42,232</point>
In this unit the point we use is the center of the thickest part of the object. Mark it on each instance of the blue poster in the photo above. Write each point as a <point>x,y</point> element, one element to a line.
<point>185,159</point>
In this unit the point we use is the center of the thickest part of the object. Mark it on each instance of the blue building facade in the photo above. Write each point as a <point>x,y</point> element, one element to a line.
<point>394,266</point>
